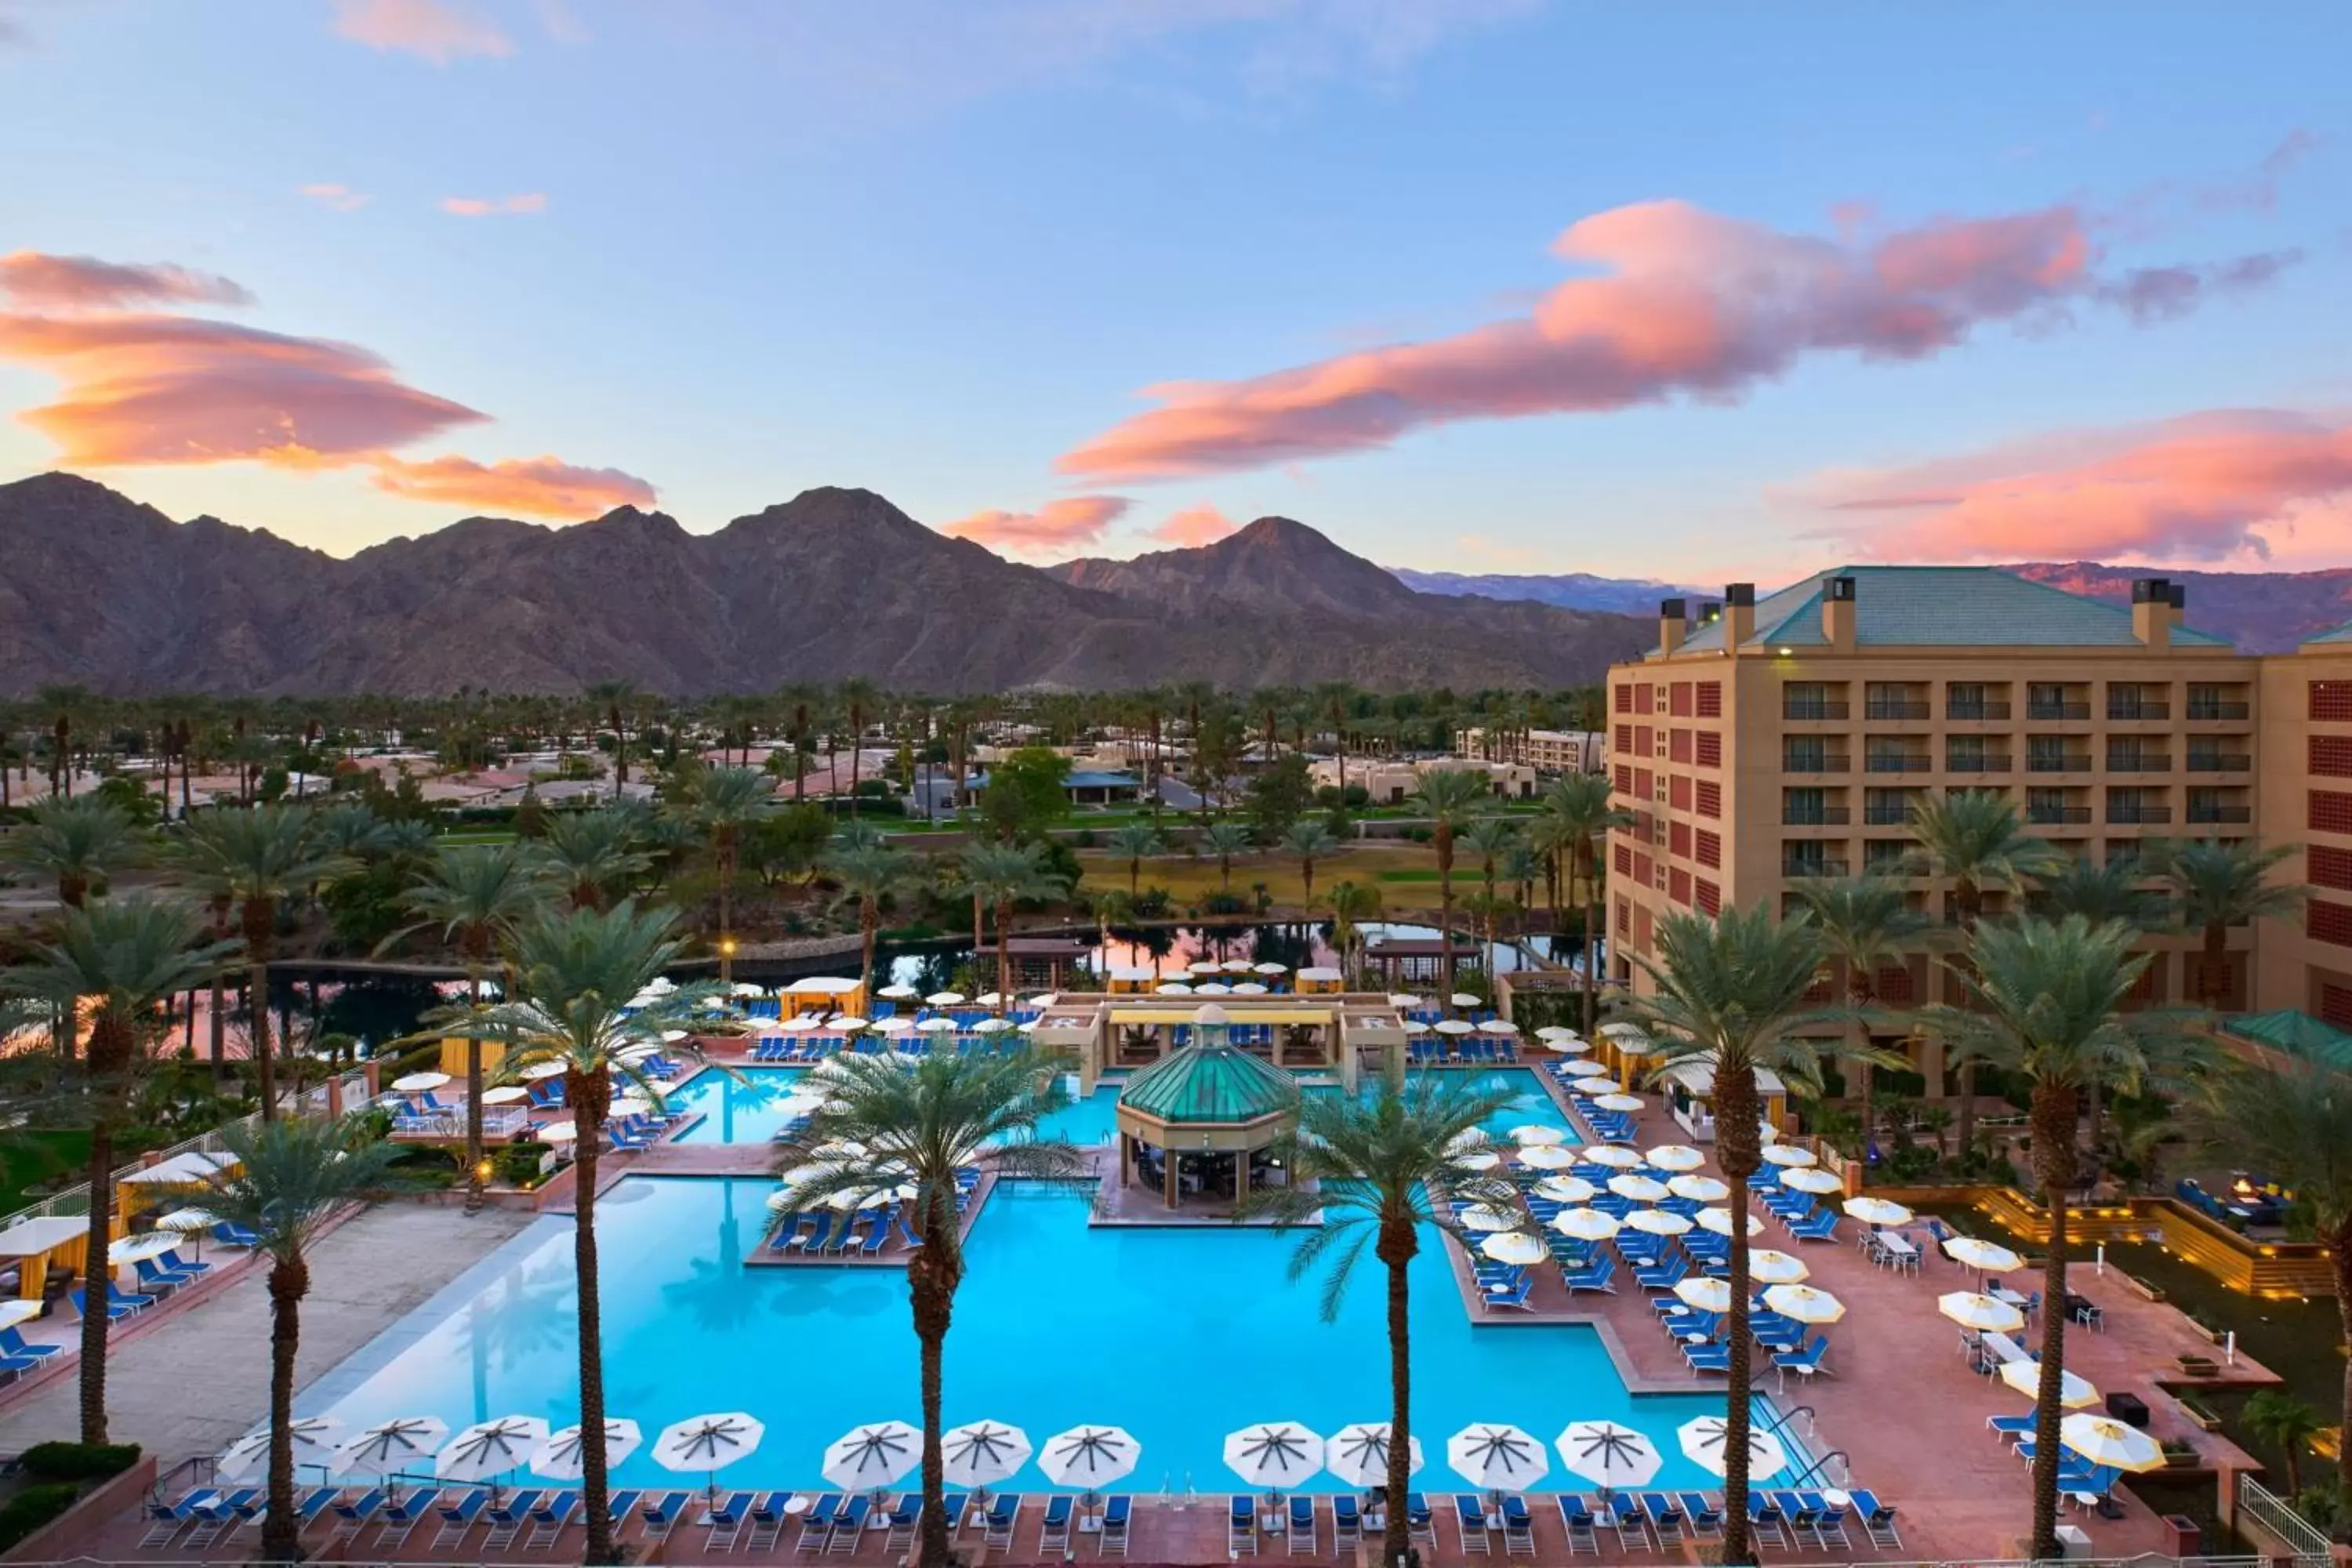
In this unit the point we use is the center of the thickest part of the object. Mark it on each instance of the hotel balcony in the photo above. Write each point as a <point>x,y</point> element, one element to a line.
<point>2202,712</point>
<point>1810,709</point>
<point>2218,763</point>
<point>1976,765</point>
<point>2218,814</point>
<point>1974,711</point>
<point>1890,707</point>
<point>1802,866</point>
<point>2074,763</point>
<point>2057,815</point>
<point>2138,763</point>
<point>1794,816</point>
<point>1815,763</point>
<point>1897,763</point>
<point>2132,813</point>
<point>2133,710</point>
<point>2061,712</point>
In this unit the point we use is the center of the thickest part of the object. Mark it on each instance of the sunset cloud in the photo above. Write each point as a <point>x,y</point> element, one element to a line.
<point>1058,526</point>
<point>1196,526</point>
<point>342,198</point>
<point>2205,486</point>
<point>436,30</point>
<point>527,203</point>
<point>1687,304</point>
<point>538,486</point>
<point>38,280</point>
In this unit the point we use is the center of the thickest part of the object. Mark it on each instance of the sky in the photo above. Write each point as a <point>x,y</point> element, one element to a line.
<point>1699,293</point>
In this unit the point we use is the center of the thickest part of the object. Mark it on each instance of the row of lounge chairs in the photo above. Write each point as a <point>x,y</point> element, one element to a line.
<point>1433,1051</point>
<point>1805,1218</point>
<point>864,1232</point>
<point>533,1518</point>
<point>1642,1521</point>
<point>2088,1484</point>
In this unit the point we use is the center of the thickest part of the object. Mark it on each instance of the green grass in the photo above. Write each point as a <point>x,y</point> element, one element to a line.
<point>1406,876</point>
<point>30,1159</point>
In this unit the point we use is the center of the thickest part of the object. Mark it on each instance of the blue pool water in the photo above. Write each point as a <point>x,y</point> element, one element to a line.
<point>1181,1335</point>
<point>736,1107</point>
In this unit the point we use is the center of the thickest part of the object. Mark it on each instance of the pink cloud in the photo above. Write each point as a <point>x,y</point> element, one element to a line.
<point>2206,486</point>
<point>436,30</point>
<point>1057,526</point>
<point>342,198</point>
<point>41,282</point>
<point>1196,526</point>
<point>540,487</point>
<point>1687,304</point>
<point>527,203</point>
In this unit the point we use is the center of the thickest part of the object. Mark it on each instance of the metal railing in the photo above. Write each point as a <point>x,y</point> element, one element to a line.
<point>2219,761</point>
<point>2133,713</point>
<point>1799,866</point>
<point>2275,1514</point>
<point>2138,816</point>
<point>2044,762</point>
<point>2057,815</point>
<point>2221,813</point>
<point>1813,762</point>
<point>1815,815</point>
<point>1813,711</point>
<point>2061,712</point>
<point>2137,762</point>
<point>1890,707</point>
<point>1961,763</point>
<point>2209,712</point>
<point>1968,711</point>
<point>1896,763</point>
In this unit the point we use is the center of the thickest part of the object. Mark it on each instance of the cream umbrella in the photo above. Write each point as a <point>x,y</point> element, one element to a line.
<point>564,1456</point>
<point>1768,1267</point>
<point>1640,1189</point>
<point>1249,988</point>
<point>1403,999</point>
<point>2104,1440</point>
<point>1974,1252</point>
<point>1585,1224</point>
<point>1813,1179</point>
<point>1206,966</point>
<point>1478,1159</point>
<point>1547,1157</point>
<point>1677,1158</point>
<point>1481,1217</point>
<point>1172,988</point>
<point>1513,1247</point>
<point>1569,1045</point>
<point>1616,1156</point>
<point>1705,1292</point>
<point>1624,1031</point>
<point>1269,967</point>
<point>1538,1132</point>
<point>944,999</point>
<point>419,1083</point>
<point>1566,1189</point>
<point>936,1027</point>
<point>1986,1314</point>
<point>140,1248</point>
<point>1212,988</point>
<point>1804,1304</point>
<point>1496,1457</point>
<point>1412,1027</point>
<point>1719,1220</point>
<point>1358,1454</point>
<point>1556,1032</point>
<point>1498,1027</point>
<point>1703,1443</point>
<point>504,1094</point>
<point>1595,1083</point>
<point>898,991</point>
<point>1788,1154</point>
<point>1463,999</point>
<point>539,1070</point>
<point>1620,1103</point>
<point>1657,1222</point>
<point>1698,1189</point>
<point>558,1132</point>
<point>1455,1027</point>
<point>1274,1454</point>
<point>891,1026</point>
<point>1238,966</point>
<point>1610,1456</point>
<point>2025,1376</point>
<point>1878,1211</point>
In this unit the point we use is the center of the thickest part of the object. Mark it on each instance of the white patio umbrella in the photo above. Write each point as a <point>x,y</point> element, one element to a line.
<point>892,1025</point>
<point>388,1447</point>
<point>1804,1304</point>
<point>1412,1027</point>
<point>139,1248</point>
<point>504,1094</point>
<point>1547,1157</point>
<point>673,1037</point>
<point>1496,1457</point>
<point>748,988</point>
<point>1205,966</point>
<point>945,999</point>
<point>1620,1102</point>
<point>2104,1440</point>
<point>1974,1252</point>
<point>845,1023</point>
<point>16,1311</point>
<point>2025,1376</point>
<point>993,1026</point>
<point>1616,1156</point>
<point>1498,1027</point>
<point>1555,1032</point>
<point>1089,1457</point>
<point>1478,1159</point>
<point>1594,1083</point>
<point>188,1219</point>
<point>1513,1247</point>
<point>1483,1217</point>
<point>1719,1220</point>
<point>418,1082</point>
<point>798,1024</point>
<point>1878,1211</point>
<point>1657,1222</point>
<point>540,1071</point>
<point>1585,1224</point>
<point>1403,999</point>
<point>1608,1455</point>
<point>1463,999</point>
<point>1986,1314</point>
<point>1703,1443</point>
<point>1788,1154</point>
<point>936,1027</point>
<point>1172,988</point>
<point>707,1443</point>
<point>1249,988</point>
<point>558,1132</point>
<point>1457,1028</point>
<point>1705,1292</point>
<point>488,1449</point>
<point>1640,1189</point>
<point>1533,1132</point>
<point>1274,1454</point>
<point>1623,1031</point>
<point>315,1439</point>
<point>1766,1266</point>
<point>1566,1189</point>
<point>1359,1454</point>
<point>1676,1157</point>
<point>1569,1045</point>
<point>1698,1189</point>
<point>980,1454</point>
<point>989,999</point>
<point>1813,1178</point>
<point>1269,968</point>
<point>898,991</point>
<point>564,1456</point>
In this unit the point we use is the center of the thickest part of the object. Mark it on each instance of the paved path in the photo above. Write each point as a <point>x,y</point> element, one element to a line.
<point>197,1378</point>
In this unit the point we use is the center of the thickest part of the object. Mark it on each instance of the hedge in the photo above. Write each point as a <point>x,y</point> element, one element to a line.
<point>33,1506</point>
<point>78,1462</point>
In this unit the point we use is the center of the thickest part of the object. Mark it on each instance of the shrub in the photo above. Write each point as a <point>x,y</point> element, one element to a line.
<point>518,1163</point>
<point>1910,1163</point>
<point>33,1508</point>
<point>78,1462</point>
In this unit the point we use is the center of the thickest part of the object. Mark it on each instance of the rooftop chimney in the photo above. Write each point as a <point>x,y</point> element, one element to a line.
<point>2152,613</point>
<point>1837,613</point>
<point>1674,621</point>
<point>2180,602</point>
<point>1738,615</point>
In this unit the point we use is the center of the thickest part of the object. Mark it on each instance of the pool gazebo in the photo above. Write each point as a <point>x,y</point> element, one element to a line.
<point>1192,1120</point>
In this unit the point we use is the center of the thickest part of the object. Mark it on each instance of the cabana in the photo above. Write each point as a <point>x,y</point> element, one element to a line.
<point>1039,963</point>
<point>1195,1121</point>
<point>1689,1085</point>
<point>165,1182</point>
<point>822,994</point>
<point>1123,980</point>
<point>37,1245</point>
<point>1320,981</point>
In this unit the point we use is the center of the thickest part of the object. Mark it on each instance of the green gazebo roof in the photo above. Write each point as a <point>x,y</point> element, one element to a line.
<point>1210,1084</point>
<point>2290,1030</point>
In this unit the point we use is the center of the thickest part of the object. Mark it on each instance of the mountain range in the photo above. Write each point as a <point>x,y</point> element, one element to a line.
<point>99,590</point>
<point>2261,612</point>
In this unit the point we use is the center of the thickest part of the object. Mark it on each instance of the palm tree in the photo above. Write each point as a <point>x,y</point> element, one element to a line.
<point>1225,840</point>
<point>290,1178</point>
<point>613,696</point>
<point>2045,1001</point>
<point>2220,883</point>
<point>1866,922</point>
<point>1311,838</point>
<point>257,858</point>
<point>1351,904</point>
<point>1730,992</point>
<point>920,1121</point>
<point>1973,839</point>
<point>1000,876</point>
<point>1450,798</point>
<point>1135,842</point>
<point>593,852</point>
<point>73,842</point>
<point>1573,819</point>
<point>475,894</point>
<point>727,799</point>
<point>2291,1115</point>
<point>869,872</point>
<point>116,962</point>
<point>2099,892</point>
<point>1362,1168</point>
<point>2286,1424</point>
<point>1490,839</point>
<point>576,973</point>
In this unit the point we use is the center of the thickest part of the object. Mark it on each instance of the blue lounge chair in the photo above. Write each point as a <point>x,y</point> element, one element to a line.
<point>2012,1426</point>
<point>1765,1520</point>
<point>661,1512</point>
<point>115,1312</point>
<point>723,1521</point>
<point>619,1505</point>
<point>766,1521</point>
<point>1665,1518</point>
<point>166,1520</point>
<point>222,1514</point>
<point>1241,1527</point>
<point>1519,1527</point>
<point>173,1263</point>
<point>1823,1227</point>
<point>1116,1511</point>
<point>848,1523</point>
<point>1596,1278</point>
<point>551,1519</point>
<point>1806,1357</point>
<point>792,1236</point>
<point>906,1516</point>
<point>1512,1295</point>
<point>877,1233</point>
<point>1347,1525</point>
<point>1576,1523</point>
<point>1701,1517</point>
<point>400,1516</point>
<point>1470,1519</point>
<point>816,1524</point>
<point>813,1242</point>
<point>1829,1520</point>
<point>1300,1536</point>
<point>1708,1357</point>
<point>355,1514</point>
<point>1877,1520</point>
<point>1004,1517</point>
<point>458,1518</point>
<point>508,1519</point>
<point>159,1282</point>
<point>1054,1533</point>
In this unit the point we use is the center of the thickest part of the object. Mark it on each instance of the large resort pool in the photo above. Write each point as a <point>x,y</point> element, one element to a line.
<point>1181,1334</point>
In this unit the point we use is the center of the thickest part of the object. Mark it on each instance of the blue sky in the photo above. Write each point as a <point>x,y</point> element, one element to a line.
<point>938,249</point>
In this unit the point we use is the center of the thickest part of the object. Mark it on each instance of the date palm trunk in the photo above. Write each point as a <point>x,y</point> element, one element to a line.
<point>1397,1243</point>
<point>2054,1171</point>
<point>259,917</point>
<point>930,1284</point>
<point>281,1531</point>
<point>1739,1150</point>
<point>1445,912</point>
<point>2339,1248</point>
<point>1003,955</point>
<point>588,1095</point>
<point>95,1274</point>
<point>474,1184</point>
<point>1591,943</point>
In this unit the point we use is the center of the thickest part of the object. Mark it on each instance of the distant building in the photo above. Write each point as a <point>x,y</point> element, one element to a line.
<point>1390,783</point>
<point>1085,786</point>
<point>1546,751</point>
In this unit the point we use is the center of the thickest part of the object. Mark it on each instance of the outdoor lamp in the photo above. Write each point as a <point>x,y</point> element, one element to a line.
<point>482,1173</point>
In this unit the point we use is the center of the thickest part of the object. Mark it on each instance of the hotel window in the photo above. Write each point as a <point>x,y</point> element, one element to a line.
<point>1680,694</point>
<point>1642,927</point>
<point>1710,850</point>
<point>1893,984</point>
<point>1624,779</point>
<point>1710,798</point>
<point>1804,807</point>
<point>1708,896</point>
<point>1678,746</point>
<point>1710,749</point>
<point>1625,700</point>
<point>2335,1005</point>
<point>1644,697</point>
<point>1625,918</point>
<point>1678,838</point>
<point>1710,700</point>
<point>2328,811</point>
<point>2328,866</point>
<point>1678,793</point>
<point>1678,886</point>
<point>1884,854</point>
<point>2329,923</point>
<point>1641,742</point>
<point>1644,784</point>
<point>1645,870</point>
<point>1623,860</point>
<point>2331,756</point>
<point>1625,737</point>
<point>2331,701</point>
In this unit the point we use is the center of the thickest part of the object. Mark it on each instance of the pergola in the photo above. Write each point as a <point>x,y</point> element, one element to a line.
<point>1209,1098</point>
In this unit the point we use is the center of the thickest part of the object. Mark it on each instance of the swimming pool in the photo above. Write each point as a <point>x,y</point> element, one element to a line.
<point>742,1108</point>
<point>1180,1335</point>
